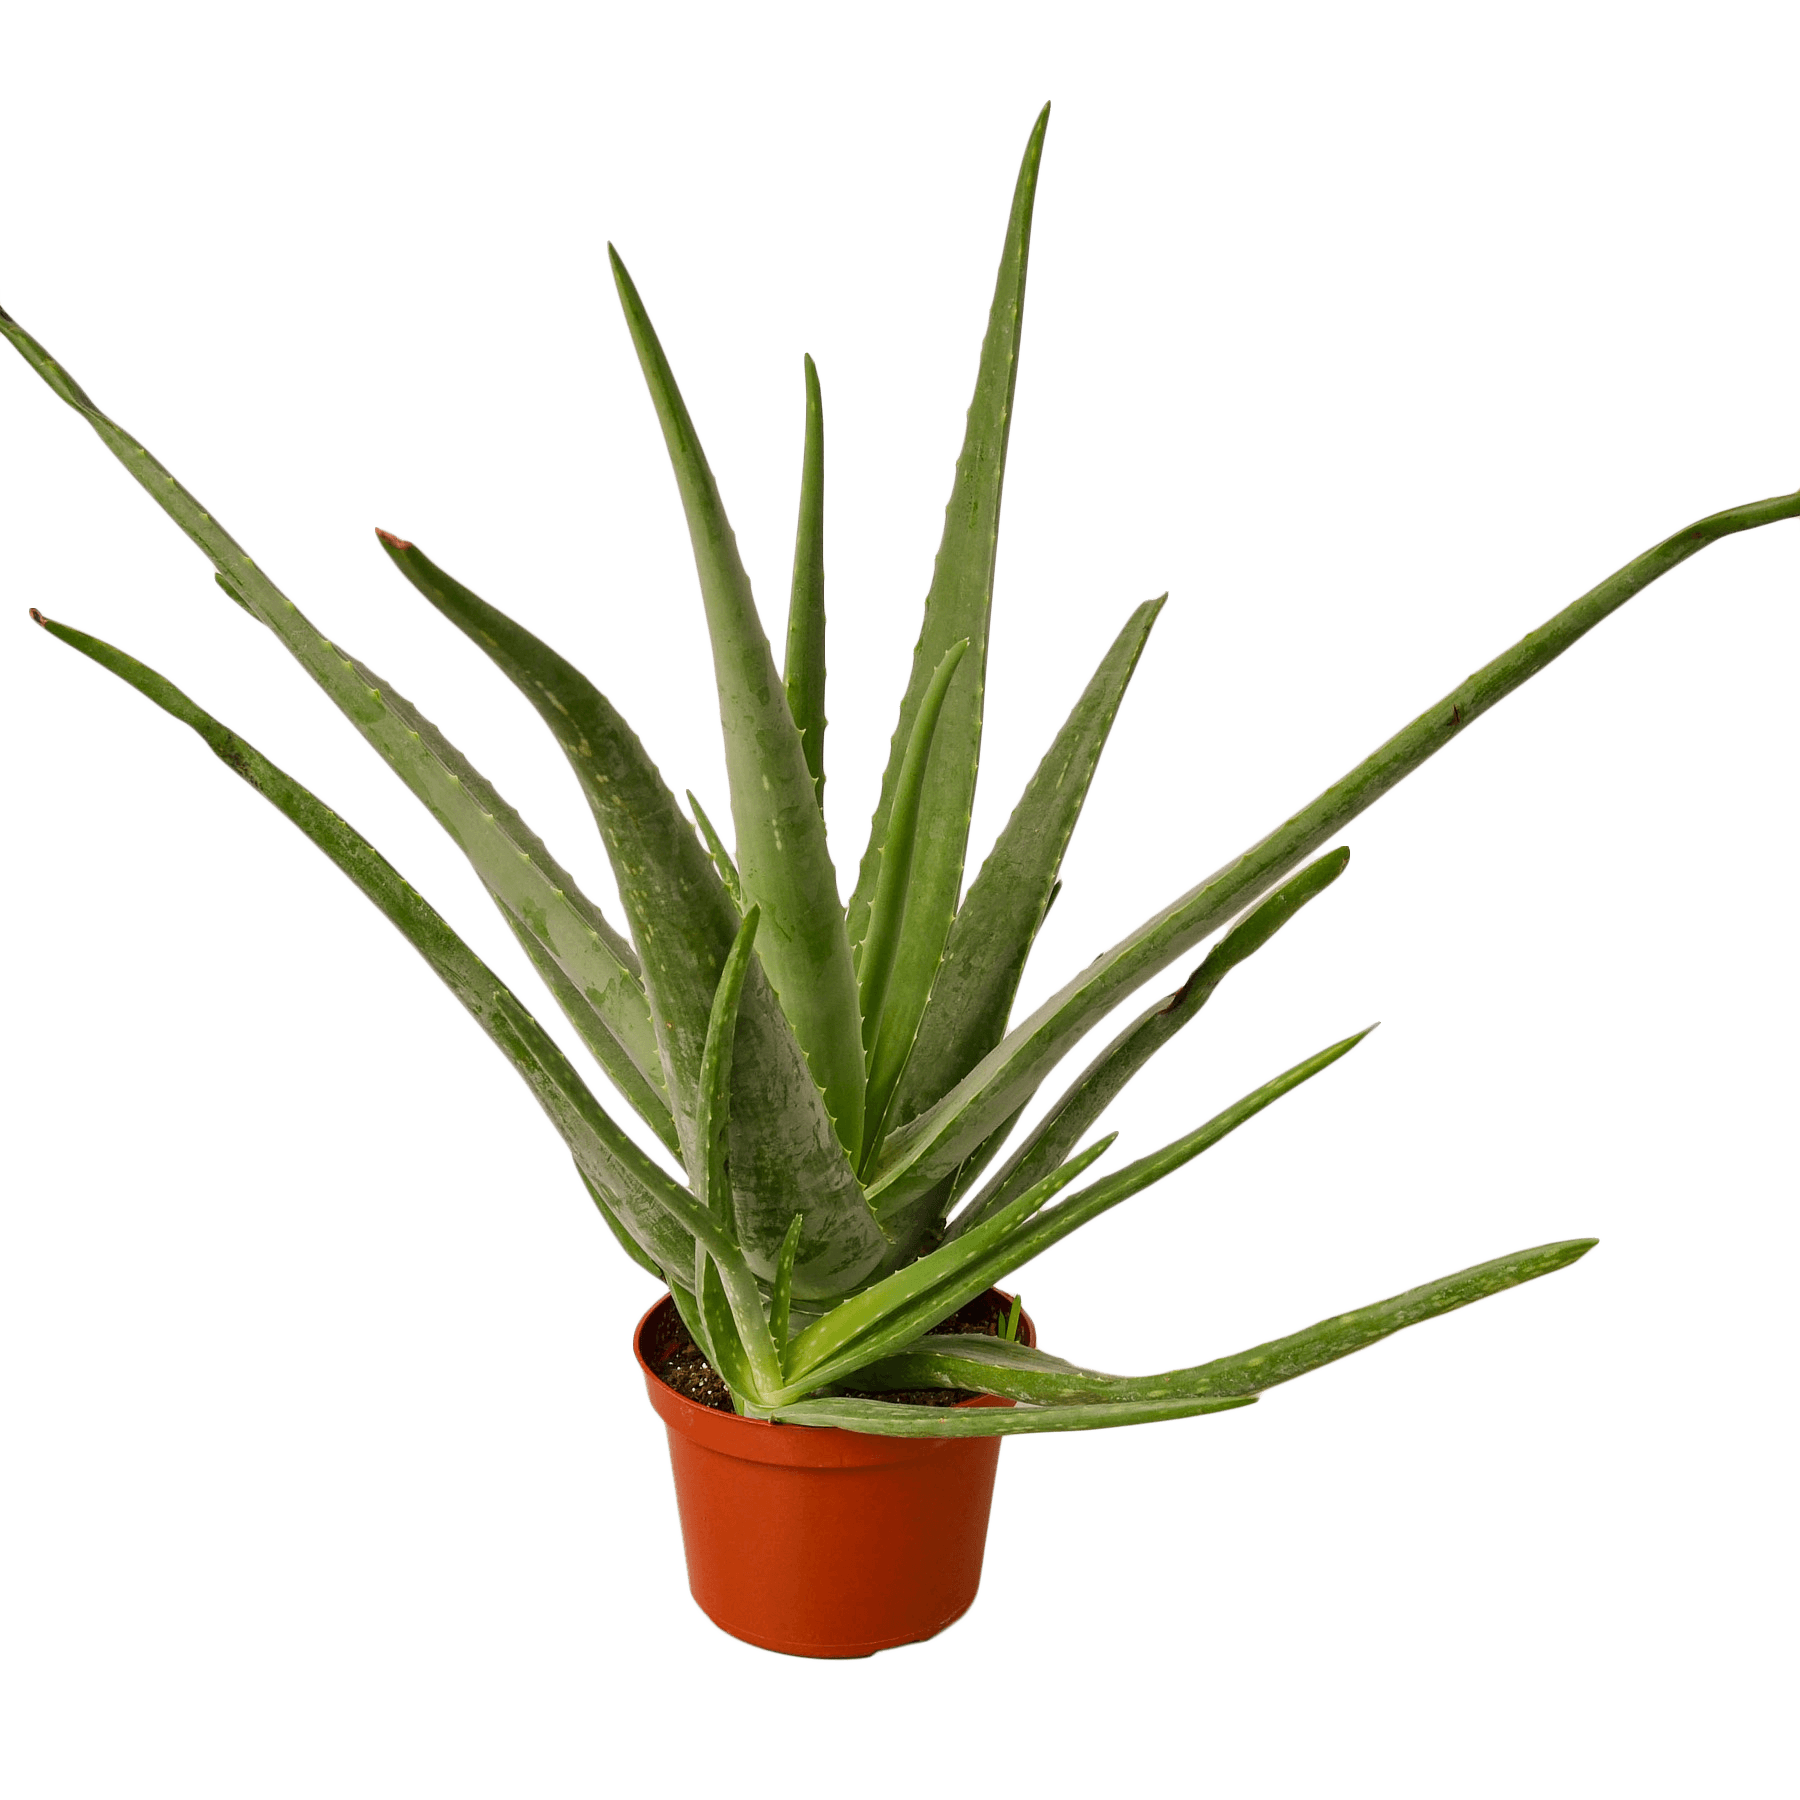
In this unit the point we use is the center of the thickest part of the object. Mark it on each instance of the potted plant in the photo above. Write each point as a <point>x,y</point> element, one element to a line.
<point>842,1084</point>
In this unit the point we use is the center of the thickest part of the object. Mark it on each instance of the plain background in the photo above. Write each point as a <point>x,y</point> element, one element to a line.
<point>1373,334</point>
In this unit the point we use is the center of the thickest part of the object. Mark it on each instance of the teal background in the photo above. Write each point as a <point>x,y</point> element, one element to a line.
<point>1372,334</point>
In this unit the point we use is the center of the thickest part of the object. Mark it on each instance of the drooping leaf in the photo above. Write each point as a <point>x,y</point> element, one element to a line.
<point>956,606</point>
<point>918,1155</point>
<point>785,1155</point>
<point>639,1193</point>
<point>804,673</point>
<point>1018,1372</point>
<point>1006,905</point>
<point>780,832</point>
<point>883,1418</point>
<point>892,944</point>
<point>1095,1089</point>
<point>509,860</point>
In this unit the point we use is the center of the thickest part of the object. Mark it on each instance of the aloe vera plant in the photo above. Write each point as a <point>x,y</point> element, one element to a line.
<point>842,1082</point>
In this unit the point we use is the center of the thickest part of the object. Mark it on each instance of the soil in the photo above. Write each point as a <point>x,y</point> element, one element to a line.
<point>683,1365</point>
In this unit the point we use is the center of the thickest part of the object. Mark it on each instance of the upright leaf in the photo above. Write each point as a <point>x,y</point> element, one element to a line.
<point>999,918</point>
<point>920,1154</point>
<point>631,1189</point>
<point>893,944</point>
<point>715,1075</point>
<point>781,1300</point>
<point>804,674</point>
<point>957,606</point>
<point>509,860</point>
<point>715,846</point>
<point>781,854</point>
<point>724,1345</point>
<point>785,1155</point>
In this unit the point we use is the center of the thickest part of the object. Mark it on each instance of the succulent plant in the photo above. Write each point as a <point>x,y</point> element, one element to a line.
<point>840,1081</point>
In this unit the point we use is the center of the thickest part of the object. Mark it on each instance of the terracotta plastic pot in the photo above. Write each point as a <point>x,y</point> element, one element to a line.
<point>822,1542</point>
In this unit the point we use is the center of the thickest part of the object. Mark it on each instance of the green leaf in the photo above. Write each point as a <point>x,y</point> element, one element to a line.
<point>626,1241</point>
<point>715,1075</point>
<point>993,931</point>
<point>781,852</point>
<point>918,1155</point>
<point>1154,1167</point>
<point>1014,1246</point>
<point>892,940</point>
<point>781,1303</point>
<point>1100,1083</point>
<point>715,846</point>
<point>910,1301</point>
<point>785,1155</point>
<point>804,674</point>
<point>882,1418</point>
<point>1020,1373</point>
<point>511,863</point>
<point>957,606</point>
<point>638,1191</point>
<point>724,1345</point>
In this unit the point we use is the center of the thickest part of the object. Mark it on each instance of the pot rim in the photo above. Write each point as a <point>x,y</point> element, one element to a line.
<point>770,1440</point>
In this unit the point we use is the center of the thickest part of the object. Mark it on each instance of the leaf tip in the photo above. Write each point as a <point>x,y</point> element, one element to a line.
<point>392,542</point>
<point>37,618</point>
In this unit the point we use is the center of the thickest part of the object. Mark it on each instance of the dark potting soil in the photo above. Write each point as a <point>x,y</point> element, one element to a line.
<point>685,1368</point>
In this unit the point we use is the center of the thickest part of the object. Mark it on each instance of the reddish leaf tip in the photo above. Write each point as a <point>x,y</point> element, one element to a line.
<point>392,542</point>
<point>37,617</point>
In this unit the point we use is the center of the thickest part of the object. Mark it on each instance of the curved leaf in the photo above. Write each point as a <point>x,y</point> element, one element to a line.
<point>920,1154</point>
<point>882,1418</point>
<point>1018,1372</point>
<point>509,860</point>
<point>781,853</point>
<point>641,1195</point>
<point>785,1155</point>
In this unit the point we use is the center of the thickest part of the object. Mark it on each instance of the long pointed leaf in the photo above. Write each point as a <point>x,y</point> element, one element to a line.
<point>920,1154</point>
<point>521,880</point>
<point>1017,1246</point>
<point>804,672</point>
<point>896,944</point>
<point>882,1418</point>
<point>715,847</point>
<point>957,606</point>
<point>1006,905</point>
<point>724,1344</point>
<point>1101,1082</point>
<point>1020,1373</point>
<point>715,1075</point>
<point>781,1300</point>
<point>785,1154</point>
<point>639,1191</point>
<point>780,831</point>
<point>865,1323</point>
